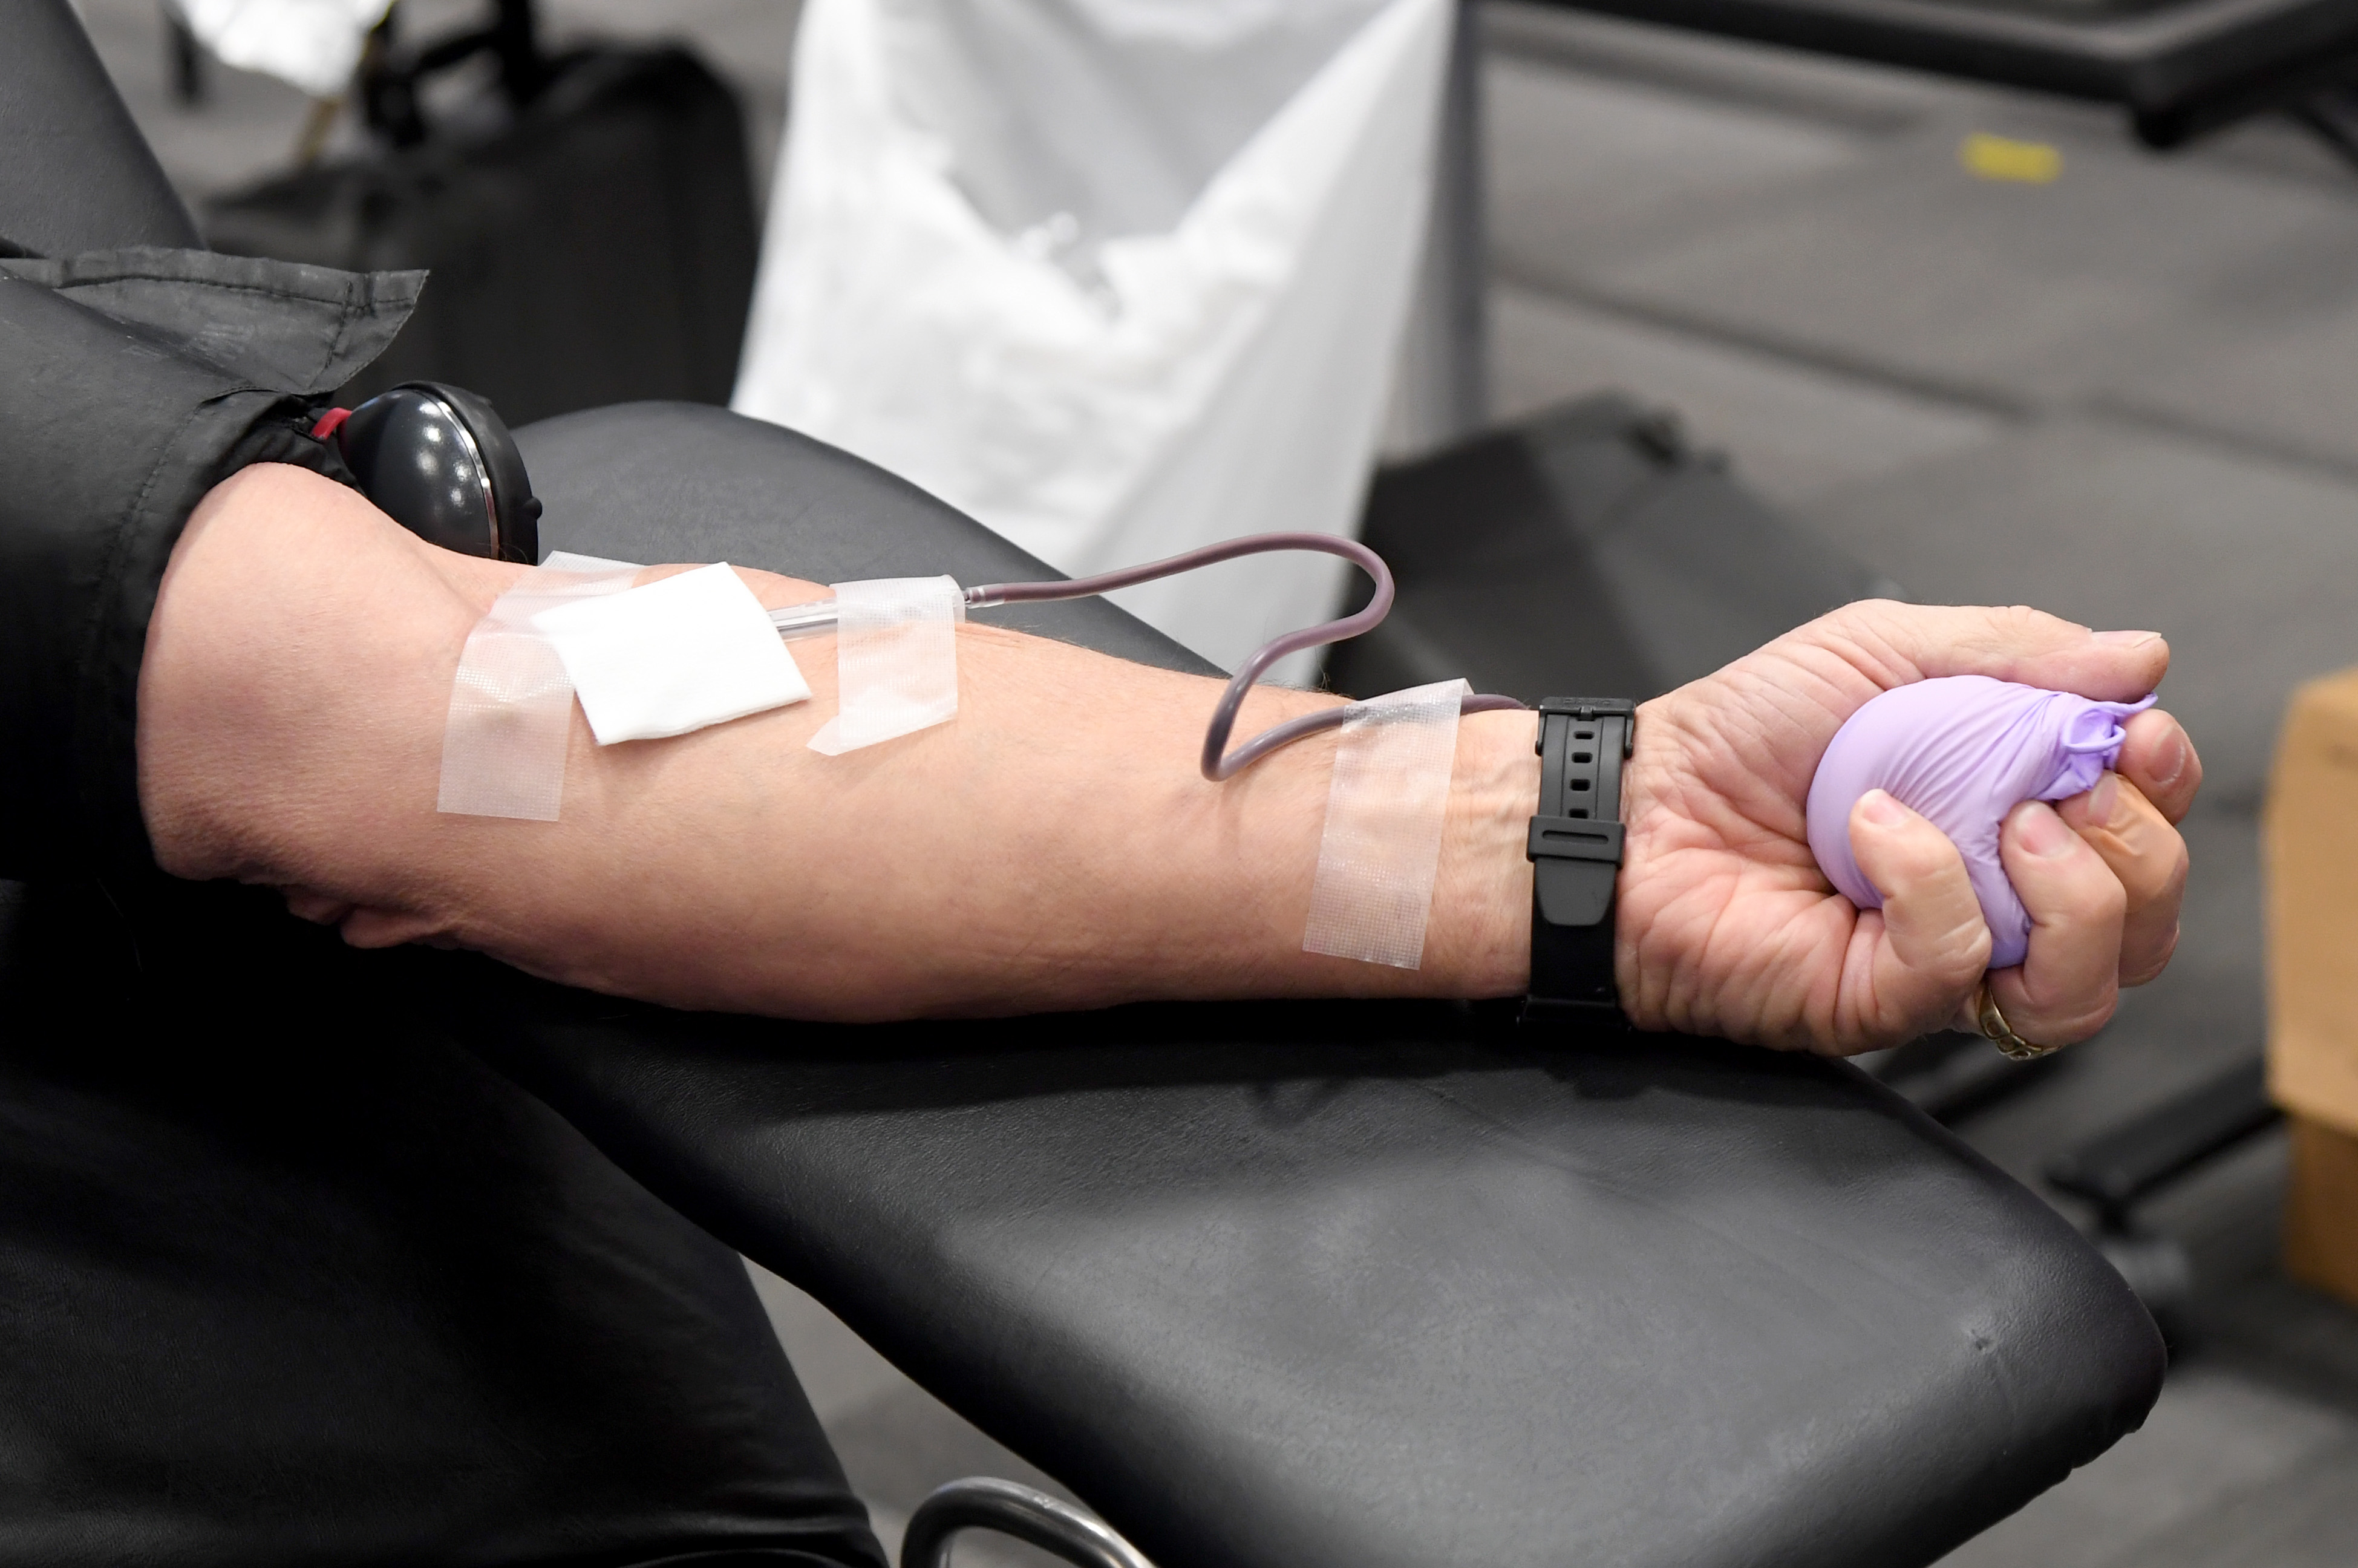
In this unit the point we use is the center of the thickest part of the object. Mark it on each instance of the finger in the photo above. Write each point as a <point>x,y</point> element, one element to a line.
<point>2067,987</point>
<point>319,908</point>
<point>2145,853</point>
<point>2013,642</point>
<point>364,928</point>
<point>2160,759</point>
<point>1934,943</point>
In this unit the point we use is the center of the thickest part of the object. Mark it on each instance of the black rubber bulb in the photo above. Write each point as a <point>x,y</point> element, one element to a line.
<point>438,461</point>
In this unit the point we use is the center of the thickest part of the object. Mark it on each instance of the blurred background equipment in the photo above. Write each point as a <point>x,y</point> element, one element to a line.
<point>587,215</point>
<point>2181,68</point>
<point>2121,1169</point>
<point>1118,281</point>
<point>1584,547</point>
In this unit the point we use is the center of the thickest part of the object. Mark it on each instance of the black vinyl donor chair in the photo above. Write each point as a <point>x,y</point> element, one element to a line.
<point>1347,1284</point>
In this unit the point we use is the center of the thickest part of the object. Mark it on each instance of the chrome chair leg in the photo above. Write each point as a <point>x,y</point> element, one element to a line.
<point>979,1502</point>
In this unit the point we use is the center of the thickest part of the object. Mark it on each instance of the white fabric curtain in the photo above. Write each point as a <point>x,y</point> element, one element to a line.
<point>313,44</point>
<point>1118,277</point>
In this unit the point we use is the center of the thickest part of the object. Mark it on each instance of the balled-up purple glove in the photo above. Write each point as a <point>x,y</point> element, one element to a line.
<point>1963,751</point>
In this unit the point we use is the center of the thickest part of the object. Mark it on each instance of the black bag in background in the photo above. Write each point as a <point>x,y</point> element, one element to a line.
<point>597,246</point>
<point>1587,551</point>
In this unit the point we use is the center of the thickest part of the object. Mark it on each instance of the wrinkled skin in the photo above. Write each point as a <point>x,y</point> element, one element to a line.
<point>1727,927</point>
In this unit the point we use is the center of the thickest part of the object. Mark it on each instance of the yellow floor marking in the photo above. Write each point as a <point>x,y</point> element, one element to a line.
<point>2000,158</point>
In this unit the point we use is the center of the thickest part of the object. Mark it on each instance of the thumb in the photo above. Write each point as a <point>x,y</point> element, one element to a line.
<point>2015,642</point>
<point>1934,945</point>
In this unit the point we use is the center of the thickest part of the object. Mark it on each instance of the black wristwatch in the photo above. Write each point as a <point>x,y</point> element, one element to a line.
<point>1575,855</point>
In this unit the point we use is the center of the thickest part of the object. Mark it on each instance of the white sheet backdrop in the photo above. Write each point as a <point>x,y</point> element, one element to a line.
<point>1116,276</point>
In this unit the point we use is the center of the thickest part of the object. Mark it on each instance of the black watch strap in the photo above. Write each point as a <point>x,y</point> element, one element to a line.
<point>1575,854</point>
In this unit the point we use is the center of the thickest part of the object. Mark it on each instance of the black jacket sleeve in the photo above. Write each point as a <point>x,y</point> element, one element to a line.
<point>131,383</point>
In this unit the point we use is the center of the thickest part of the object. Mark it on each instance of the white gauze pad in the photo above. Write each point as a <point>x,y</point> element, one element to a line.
<point>693,650</point>
<point>896,659</point>
<point>511,706</point>
<point>1382,847</point>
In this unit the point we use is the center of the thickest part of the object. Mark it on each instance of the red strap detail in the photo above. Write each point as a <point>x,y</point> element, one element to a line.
<point>330,423</point>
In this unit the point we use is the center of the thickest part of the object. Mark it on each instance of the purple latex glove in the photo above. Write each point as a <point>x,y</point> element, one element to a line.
<point>1963,751</point>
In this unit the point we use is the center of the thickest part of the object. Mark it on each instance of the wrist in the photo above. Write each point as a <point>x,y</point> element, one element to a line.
<point>1655,744</point>
<point>1478,942</point>
<point>1577,851</point>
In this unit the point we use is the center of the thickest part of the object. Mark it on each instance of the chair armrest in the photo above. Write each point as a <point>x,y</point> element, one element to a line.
<point>1366,1285</point>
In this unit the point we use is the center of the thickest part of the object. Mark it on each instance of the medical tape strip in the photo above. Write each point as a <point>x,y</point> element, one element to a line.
<point>511,717</point>
<point>1380,849</point>
<point>896,659</point>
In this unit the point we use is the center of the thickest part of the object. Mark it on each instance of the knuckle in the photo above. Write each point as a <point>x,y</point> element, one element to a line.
<point>2016,616</point>
<point>2067,1022</point>
<point>2090,893</point>
<point>1924,855</point>
<point>2093,1020</point>
<point>2108,901</point>
<point>1962,952</point>
<point>2146,968</point>
<point>2024,622</point>
<point>2078,896</point>
<point>2175,868</point>
<point>2086,1026</point>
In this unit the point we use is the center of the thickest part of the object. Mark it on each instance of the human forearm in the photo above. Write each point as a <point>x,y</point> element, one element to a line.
<point>1055,847</point>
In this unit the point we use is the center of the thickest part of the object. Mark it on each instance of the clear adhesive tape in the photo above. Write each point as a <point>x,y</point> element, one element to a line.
<point>511,717</point>
<point>1380,849</point>
<point>896,659</point>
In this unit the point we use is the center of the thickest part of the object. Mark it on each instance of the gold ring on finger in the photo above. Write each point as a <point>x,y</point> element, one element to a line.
<point>1999,1033</point>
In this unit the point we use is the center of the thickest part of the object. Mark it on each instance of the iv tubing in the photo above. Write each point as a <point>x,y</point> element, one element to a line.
<point>1219,763</point>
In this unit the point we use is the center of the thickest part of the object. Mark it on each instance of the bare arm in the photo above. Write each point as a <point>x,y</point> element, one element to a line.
<point>1055,847</point>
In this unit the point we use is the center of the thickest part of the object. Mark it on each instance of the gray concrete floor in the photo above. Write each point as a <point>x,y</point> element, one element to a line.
<point>2113,397</point>
<point>2130,396</point>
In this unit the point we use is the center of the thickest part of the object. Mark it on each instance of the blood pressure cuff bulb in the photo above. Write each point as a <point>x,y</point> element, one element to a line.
<point>1963,751</point>
<point>136,381</point>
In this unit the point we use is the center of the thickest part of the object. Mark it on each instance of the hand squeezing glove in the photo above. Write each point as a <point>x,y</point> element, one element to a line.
<point>1963,751</point>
